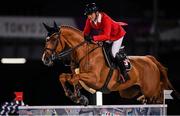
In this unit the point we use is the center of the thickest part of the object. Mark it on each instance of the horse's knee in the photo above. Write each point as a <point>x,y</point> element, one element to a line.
<point>75,79</point>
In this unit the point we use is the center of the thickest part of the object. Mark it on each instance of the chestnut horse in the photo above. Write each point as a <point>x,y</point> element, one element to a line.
<point>147,75</point>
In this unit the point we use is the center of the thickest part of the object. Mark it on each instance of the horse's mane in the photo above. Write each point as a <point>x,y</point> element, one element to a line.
<point>73,28</point>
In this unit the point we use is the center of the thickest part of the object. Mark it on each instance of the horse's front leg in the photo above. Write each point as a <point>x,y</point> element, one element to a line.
<point>63,78</point>
<point>76,95</point>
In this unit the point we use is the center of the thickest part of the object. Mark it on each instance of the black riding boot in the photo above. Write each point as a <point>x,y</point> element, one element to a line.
<point>119,59</point>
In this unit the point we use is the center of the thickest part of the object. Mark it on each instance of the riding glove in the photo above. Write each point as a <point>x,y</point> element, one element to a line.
<point>88,38</point>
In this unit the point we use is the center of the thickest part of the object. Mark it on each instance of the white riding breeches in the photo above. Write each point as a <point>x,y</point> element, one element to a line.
<point>116,46</point>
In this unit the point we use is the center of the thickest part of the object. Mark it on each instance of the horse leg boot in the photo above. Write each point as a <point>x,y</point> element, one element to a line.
<point>119,60</point>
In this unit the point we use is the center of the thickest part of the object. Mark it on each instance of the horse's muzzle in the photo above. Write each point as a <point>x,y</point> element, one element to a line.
<point>47,61</point>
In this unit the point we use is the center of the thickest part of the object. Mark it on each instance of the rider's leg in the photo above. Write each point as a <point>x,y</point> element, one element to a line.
<point>116,45</point>
<point>119,59</point>
<point>119,56</point>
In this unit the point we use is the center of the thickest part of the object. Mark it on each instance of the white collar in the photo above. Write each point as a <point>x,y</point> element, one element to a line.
<point>98,19</point>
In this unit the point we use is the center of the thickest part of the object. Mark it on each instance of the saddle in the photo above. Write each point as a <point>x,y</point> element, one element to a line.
<point>108,55</point>
<point>110,61</point>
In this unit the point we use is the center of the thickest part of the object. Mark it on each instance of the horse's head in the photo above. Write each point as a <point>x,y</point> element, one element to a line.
<point>53,44</point>
<point>59,38</point>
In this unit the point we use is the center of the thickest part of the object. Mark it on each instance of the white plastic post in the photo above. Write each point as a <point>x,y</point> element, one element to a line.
<point>99,98</point>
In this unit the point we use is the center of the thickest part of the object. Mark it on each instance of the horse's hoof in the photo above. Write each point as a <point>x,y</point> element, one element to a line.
<point>73,98</point>
<point>83,100</point>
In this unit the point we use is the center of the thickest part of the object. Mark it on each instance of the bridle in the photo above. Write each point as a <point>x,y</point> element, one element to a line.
<point>53,50</point>
<point>55,55</point>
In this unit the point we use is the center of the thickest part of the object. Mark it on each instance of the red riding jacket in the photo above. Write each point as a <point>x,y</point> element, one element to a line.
<point>109,29</point>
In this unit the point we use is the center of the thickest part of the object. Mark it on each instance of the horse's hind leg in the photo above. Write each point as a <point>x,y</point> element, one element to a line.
<point>130,92</point>
<point>142,99</point>
<point>154,98</point>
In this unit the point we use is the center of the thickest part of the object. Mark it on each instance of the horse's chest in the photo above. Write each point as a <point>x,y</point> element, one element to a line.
<point>86,66</point>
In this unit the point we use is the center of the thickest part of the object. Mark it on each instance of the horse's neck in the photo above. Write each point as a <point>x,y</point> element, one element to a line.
<point>72,38</point>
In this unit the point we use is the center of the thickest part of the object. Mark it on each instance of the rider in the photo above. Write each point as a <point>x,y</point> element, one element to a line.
<point>106,30</point>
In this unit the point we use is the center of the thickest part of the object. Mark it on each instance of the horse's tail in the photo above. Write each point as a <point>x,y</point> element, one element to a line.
<point>165,81</point>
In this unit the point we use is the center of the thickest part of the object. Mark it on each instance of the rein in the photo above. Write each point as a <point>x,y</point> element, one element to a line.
<point>67,52</point>
<point>88,53</point>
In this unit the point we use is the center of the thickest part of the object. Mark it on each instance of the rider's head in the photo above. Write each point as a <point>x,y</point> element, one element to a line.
<point>91,11</point>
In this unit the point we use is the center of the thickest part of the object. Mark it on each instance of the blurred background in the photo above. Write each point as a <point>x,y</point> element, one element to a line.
<point>153,28</point>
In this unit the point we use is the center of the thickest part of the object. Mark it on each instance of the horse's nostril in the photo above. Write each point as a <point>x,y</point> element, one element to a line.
<point>45,60</point>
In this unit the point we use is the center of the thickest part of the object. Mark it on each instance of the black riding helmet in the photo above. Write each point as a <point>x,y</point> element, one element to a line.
<point>90,8</point>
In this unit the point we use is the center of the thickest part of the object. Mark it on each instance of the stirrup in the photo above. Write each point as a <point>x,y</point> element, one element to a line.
<point>127,64</point>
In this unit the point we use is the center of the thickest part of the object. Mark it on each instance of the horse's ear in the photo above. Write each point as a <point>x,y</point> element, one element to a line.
<point>47,27</point>
<point>55,25</point>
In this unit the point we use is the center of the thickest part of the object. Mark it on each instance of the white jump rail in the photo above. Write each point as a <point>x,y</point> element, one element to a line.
<point>93,106</point>
<point>159,109</point>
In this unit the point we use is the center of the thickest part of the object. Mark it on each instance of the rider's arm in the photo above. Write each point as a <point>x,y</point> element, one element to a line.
<point>105,35</point>
<point>87,28</point>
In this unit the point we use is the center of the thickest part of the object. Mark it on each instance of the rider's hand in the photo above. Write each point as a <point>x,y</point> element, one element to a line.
<point>88,38</point>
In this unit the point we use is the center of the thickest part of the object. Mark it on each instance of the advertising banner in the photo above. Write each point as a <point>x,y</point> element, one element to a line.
<point>30,27</point>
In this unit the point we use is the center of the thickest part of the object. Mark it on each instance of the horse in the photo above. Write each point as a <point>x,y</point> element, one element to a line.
<point>148,77</point>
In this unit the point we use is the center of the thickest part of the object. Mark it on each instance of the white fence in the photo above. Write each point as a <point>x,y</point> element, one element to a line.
<point>105,110</point>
